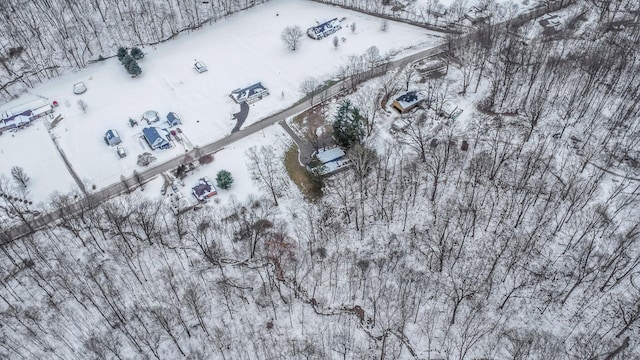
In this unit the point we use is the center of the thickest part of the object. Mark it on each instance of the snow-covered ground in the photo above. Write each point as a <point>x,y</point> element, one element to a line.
<point>238,52</point>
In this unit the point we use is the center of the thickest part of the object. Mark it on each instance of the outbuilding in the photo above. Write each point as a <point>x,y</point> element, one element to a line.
<point>111,137</point>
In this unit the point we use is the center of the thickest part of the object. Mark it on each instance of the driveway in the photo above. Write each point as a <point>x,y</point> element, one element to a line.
<point>240,116</point>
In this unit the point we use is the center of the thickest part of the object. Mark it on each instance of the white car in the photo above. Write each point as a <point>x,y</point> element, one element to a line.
<point>200,67</point>
<point>120,151</point>
<point>79,88</point>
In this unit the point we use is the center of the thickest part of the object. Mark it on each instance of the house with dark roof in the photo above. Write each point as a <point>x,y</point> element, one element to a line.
<point>407,101</point>
<point>111,137</point>
<point>250,94</point>
<point>325,29</point>
<point>156,138</point>
<point>204,189</point>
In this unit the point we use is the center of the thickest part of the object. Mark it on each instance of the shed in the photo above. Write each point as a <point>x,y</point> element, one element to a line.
<point>173,119</point>
<point>156,138</point>
<point>111,137</point>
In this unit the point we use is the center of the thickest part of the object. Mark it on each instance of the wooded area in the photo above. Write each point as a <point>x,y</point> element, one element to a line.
<point>524,246</point>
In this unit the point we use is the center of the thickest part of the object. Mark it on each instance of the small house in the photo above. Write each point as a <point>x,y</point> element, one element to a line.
<point>204,189</point>
<point>156,138</point>
<point>325,29</point>
<point>250,94</point>
<point>173,119</point>
<point>407,101</point>
<point>111,137</point>
<point>332,160</point>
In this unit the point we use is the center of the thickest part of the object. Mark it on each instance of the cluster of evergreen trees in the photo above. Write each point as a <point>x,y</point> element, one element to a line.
<point>130,60</point>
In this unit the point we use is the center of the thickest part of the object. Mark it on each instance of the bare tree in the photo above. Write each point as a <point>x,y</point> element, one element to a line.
<point>83,106</point>
<point>267,170</point>
<point>291,36</point>
<point>336,42</point>
<point>20,176</point>
<point>309,87</point>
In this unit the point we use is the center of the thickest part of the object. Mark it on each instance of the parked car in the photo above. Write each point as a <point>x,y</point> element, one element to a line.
<point>200,67</point>
<point>79,88</point>
<point>120,151</point>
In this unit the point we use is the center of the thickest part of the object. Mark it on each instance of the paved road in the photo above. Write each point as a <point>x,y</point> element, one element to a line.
<point>93,199</point>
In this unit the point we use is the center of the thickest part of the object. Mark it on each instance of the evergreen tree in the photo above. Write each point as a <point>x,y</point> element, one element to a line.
<point>347,125</point>
<point>224,179</point>
<point>133,68</point>
<point>122,52</point>
<point>126,60</point>
<point>136,53</point>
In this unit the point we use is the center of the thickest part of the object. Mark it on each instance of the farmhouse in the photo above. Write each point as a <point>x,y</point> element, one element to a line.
<point>111,137</point>
<point>325,29</point>
<point>204,189</point>
<point>250,94</point>
<point>407,101</point>
<point>12,120</point>
<point>156,138</point>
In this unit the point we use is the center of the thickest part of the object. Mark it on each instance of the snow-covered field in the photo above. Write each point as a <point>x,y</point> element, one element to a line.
<point>238,52</point>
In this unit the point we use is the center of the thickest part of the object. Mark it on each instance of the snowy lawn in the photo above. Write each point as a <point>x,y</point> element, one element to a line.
<point>238,51</point>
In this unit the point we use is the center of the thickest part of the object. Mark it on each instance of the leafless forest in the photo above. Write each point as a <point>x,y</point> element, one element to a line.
<point>525,246</point>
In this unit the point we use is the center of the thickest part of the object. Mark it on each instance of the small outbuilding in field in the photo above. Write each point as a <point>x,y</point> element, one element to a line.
<point>111,137</point>
<point>173,119</point>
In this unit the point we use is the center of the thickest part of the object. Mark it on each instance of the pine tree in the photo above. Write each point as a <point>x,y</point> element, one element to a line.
<point>126,60</point>
<point>122,52</point>
<point>136,53</point>
<point>133,68</point>
<point>224,179</point>
<point>347,125</point>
